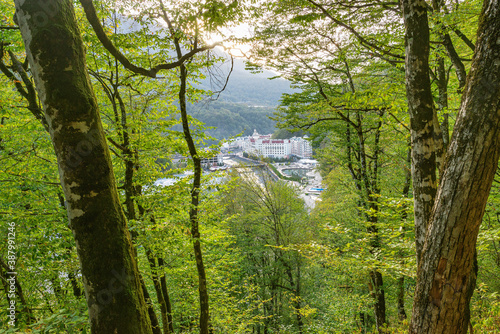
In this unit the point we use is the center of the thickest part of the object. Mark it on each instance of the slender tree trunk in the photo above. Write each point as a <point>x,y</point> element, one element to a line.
<point>195,190</point>
<point>377,292</point>
<point>376,284</point>
<point>131,193</point>
<point>406,194</point>
<point>455,60</point>
<point>445,273</point>
<point>442,82</point>
<point>159,293</point>
<point>57,59</point>
<point>401,298</point>
<point>300,322</point>
<point>25,311</point>
<point>77,291</point>
<point>193,211</point>
<point>368,187</point>
<point>56,287</point>
<point>442,135</point>
<point>155,326</point>
<point>166,296</point>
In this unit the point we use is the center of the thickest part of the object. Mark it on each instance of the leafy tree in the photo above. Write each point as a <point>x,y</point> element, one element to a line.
<point>341,83</point>
<point>374,34</point>
<point>271,221</point>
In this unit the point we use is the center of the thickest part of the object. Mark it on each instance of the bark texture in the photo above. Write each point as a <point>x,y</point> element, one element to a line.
<point>422,118</point>
<point>445,274</point>
<point>57,59</point>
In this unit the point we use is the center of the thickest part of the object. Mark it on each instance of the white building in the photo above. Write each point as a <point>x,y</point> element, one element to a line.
<point>275,148</point>
<point>217,159</point>
<point>301,147</point>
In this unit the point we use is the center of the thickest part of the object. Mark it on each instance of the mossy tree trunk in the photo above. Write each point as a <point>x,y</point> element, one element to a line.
<point>57,59</point>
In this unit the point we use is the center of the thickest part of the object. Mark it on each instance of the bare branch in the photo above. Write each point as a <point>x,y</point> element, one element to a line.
<point>93,19</point>
<point>363,41</point>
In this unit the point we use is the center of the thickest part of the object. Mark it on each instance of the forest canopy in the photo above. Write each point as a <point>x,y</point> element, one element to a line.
<point>400,100</point>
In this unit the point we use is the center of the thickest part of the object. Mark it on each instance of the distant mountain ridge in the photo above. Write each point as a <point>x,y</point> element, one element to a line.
<point>230,119</point>
<point>247,102</point>
<point>254,89</point>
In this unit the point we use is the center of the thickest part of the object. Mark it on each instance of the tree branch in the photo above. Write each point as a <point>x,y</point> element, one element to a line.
<point>455,59</point>
<point>360,38</point>
<point>93,19</point>
<point>464,38</point>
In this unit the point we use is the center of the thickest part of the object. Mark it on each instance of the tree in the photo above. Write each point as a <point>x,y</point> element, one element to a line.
<point>451,216</point>
<point>343,86</point>
<point>57,58</point>
<point>177,35</point>
<point>428,140</point>
<point>269,223</point>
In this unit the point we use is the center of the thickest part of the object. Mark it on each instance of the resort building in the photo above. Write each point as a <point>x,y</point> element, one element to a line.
<point>263,145</point>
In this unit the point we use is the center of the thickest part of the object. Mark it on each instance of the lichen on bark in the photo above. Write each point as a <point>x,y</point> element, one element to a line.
<point>57,58</point>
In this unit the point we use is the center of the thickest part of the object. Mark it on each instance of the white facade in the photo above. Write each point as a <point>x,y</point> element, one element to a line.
<point>215,160</point>
<point>301,147</point>
<point>275,148</point>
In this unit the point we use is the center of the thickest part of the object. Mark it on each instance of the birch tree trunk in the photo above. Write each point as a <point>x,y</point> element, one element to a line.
<point>57,59</point>
<point>445,274</point>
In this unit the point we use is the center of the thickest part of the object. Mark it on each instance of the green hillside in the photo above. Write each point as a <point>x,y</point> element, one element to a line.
<point>230,119</point>
<point>244,86</point>
<point>245,104</point>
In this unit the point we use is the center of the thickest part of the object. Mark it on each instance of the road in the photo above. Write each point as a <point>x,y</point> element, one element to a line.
<point>309,198</point>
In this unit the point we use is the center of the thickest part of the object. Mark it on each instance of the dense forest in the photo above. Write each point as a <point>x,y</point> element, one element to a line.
<point>401,101</point>
<point>246,103</point>
<point>224,119</point>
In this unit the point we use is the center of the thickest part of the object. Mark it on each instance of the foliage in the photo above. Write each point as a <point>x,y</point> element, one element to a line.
<point>225,120</point>
<point>271,264</point>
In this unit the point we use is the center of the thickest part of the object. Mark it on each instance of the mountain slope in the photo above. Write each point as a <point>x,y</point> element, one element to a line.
<point>246,87</point>
<point>245,104</point>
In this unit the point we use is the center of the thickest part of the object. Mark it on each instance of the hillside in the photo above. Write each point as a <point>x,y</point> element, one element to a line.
<point>230,119</point>
<point>246,103</point>
<point>244,86</point>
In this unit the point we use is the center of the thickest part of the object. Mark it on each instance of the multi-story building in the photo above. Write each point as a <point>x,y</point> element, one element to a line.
<point>301,147</point>
<point>215,160</point>
<point>275,148</point>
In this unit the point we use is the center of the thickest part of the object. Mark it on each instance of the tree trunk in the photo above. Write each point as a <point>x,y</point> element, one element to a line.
<point>195,190</point>
<point>57,59</point>
<point>166,296</point>
<point>406,194</point>
<point>193,211</point>
<point>25,311</point>
<point>445,272</point>
<point>421,110</point>
<point>159,293</point>
<point>77,291</point>
<point>401,298</point>
<point>377,292</point>
<point>155,326</point>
